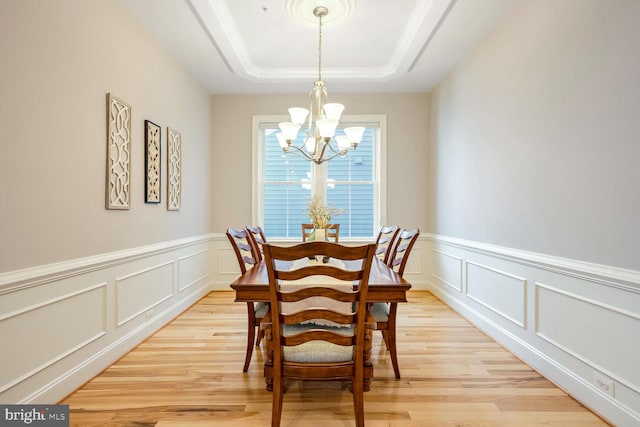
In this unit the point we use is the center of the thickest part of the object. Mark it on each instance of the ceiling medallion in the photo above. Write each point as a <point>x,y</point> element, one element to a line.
<point>301,11</point>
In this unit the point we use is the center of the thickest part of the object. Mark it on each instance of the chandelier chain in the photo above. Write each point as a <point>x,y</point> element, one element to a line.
<point>320,49</point>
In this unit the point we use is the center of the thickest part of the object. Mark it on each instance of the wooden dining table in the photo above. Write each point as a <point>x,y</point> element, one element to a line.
<point>385,285</point>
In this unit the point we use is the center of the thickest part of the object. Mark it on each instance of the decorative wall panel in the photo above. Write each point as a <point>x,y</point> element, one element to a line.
<point>501,292</point>
<point>579,328</point>
<point>152,139</point>
<point>62,323</point>
<point>192,269</point>
<point>605,337</point>
<point>447,268</point>
<point>139,292</point>
<point>39,335</point>
<point>174,169</point>
<point>118,154</point>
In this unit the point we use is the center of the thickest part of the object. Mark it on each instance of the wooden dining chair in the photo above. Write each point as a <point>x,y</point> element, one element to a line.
<point>307,231</point>
<point>247,258</point>
<point>257,239</point>
<point>333,232</point>
<point>385,240</point>
<point>385,313</point>
<point>316,351</point>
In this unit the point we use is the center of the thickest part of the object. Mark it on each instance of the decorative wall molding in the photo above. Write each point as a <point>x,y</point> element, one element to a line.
<point>603,274</point>
<point>495,294</point>
<point>41,275</point>
<point>85,328</point>
<point>200,264</point>
<point>613,370</point>
<point>138,292</point>
<point>197,262</point>
<point>579,325</point>
<point>455,263</point>
<point>47,356</point>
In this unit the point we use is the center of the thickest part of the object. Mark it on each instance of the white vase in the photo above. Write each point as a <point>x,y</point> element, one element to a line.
<point>320,234</point>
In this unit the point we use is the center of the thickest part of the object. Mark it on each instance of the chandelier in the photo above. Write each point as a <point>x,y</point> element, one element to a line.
<point>320,120</point>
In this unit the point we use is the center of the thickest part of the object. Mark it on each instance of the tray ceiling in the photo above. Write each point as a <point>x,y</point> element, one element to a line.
<point>255,46</point>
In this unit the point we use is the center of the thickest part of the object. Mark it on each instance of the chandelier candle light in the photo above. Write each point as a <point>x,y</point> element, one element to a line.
<point>321,119</point>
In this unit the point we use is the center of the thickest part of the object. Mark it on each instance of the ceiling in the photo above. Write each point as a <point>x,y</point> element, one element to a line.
<point>255,46</point>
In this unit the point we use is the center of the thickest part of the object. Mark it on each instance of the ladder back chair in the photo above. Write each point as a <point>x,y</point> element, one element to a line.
<point>384,242</point>
<point>319,343</point>
<point>257,239</point>
<point>333,232</point>
<point>246,254</point>
<point>385,313</point>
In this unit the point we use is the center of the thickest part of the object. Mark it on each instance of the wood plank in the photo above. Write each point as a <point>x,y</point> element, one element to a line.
<point>190,374</point>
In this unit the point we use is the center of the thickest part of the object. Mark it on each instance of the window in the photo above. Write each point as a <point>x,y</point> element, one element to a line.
<point>283,183</point>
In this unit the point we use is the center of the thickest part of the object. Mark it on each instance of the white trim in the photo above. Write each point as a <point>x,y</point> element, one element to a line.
<point>587,361</point>
<point>608,287</point>
<point>121,280</point>
<point>563,377</point>
<point>200,278</point>
<point>36,276</point>
<point>48,363</point>
<point>70,380</point>
<point>442,279</point>
<point>522,280</point>
<point>109,340</point>
<point>616,277</point>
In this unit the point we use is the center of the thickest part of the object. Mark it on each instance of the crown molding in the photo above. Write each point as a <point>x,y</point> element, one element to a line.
<point>218,23</point>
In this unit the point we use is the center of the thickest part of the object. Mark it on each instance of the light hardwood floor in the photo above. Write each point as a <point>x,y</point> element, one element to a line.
<point>190,374</point>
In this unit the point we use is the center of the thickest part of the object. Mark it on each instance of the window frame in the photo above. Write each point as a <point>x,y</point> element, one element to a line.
<point>259,122</point>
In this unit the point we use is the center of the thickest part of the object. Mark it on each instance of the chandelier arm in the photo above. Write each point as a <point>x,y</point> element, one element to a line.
<point>334,148</point>
<point>299,151</point>
<point>326,159</point>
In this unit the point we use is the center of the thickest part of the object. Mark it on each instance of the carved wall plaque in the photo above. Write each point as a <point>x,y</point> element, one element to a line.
<point>118,154</point>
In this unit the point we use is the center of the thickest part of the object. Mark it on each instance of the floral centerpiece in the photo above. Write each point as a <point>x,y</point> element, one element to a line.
<point>321,214</point>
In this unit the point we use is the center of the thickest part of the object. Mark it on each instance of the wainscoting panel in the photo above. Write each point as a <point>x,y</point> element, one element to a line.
<point>605,338</point>
<point>139,292</point>
<point>62,324</point>
<point>415,263</point>
<point>447,269</point>
<point>227,262</point>
<point>575,322</point>
<point>32,342</point>
<point>193,269</point>
<point>500,292</point>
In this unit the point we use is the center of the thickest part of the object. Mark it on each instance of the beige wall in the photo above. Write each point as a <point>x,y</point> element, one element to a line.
<point>407,130</point>
<point>59,60</point>
<point>535,134</point>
